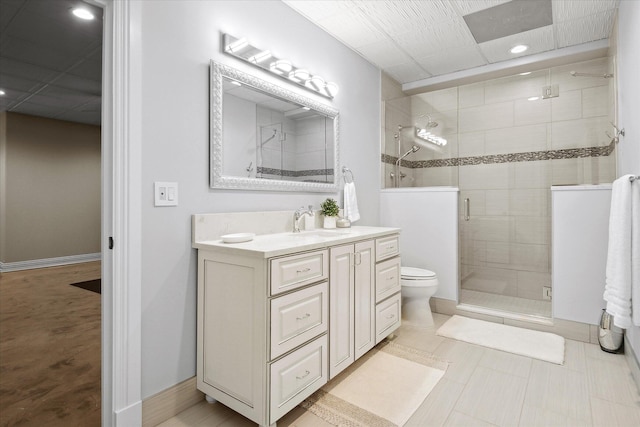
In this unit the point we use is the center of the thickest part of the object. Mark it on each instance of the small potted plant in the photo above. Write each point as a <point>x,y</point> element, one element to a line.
<point>329,209</point>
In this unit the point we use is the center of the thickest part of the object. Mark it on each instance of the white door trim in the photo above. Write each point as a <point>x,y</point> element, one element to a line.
<point>121,214</point>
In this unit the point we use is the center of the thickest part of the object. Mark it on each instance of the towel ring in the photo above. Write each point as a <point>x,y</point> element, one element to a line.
<point>346,170</point>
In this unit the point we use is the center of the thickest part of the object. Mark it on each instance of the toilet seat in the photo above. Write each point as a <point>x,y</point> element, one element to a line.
<point>412,273</point>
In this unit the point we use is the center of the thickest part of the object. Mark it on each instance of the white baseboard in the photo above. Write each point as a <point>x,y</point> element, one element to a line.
<point>48,262</point>
<point>170,402</point>
<point>632,361</point>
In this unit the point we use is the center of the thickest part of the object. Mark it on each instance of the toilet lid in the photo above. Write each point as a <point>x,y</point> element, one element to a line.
<point>416,273</point>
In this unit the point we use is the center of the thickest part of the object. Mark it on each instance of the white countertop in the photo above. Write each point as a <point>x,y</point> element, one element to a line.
<point>271,245</point>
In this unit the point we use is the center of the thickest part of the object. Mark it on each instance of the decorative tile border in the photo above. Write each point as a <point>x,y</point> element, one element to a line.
<point>529,156</point>
<point>294,174</point>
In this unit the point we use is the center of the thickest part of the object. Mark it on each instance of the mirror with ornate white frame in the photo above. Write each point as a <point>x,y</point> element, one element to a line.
<point>266,137</point>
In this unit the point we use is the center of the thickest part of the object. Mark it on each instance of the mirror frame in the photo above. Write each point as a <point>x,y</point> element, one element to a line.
<point>220,181</point>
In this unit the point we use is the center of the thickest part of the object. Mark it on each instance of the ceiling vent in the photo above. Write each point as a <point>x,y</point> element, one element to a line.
<point>510,18</point>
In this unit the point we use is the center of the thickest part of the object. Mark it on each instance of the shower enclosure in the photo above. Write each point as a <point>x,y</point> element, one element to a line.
<point>508,141</point>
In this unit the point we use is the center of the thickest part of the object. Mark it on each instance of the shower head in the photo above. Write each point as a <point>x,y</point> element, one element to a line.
<point>275,131</point>
<point>430,122</point>
<point>412,150</point>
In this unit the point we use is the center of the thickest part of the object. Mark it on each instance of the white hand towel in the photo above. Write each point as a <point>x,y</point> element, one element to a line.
<point>635,251</point>
<point>617,292</point>
<point>351,211</point>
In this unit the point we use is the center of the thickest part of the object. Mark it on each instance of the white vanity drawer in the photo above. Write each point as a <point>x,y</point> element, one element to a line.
<point>296,376</point>
<point>298,317</point>
<point>387,317</point>
<point>387,247</point>
<point>294,271</point>
<point>387,278</point>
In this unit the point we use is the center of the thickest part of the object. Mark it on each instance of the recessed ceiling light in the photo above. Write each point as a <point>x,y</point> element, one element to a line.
<point>82,13</point>
<point>525,74</point>
<point>519,48</point>
<point>533,98</point>
<point>2,92</point>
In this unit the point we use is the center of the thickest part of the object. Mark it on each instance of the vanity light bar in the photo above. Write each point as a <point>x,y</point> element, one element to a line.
<point>425,135</point>
<point>240,48</point>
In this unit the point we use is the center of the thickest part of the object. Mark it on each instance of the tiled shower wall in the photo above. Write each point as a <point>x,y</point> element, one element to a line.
<point>504,152</point>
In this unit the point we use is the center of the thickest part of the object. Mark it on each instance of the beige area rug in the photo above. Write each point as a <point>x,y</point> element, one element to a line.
<point>524,342</point>
<point>383,388</point>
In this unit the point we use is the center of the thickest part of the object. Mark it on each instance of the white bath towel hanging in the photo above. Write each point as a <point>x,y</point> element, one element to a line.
<point>635,251</point>
<point>618,288</point>
<point>351,211</point>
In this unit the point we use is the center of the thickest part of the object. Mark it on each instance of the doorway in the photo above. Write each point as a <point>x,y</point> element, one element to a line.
<point>51,77</point>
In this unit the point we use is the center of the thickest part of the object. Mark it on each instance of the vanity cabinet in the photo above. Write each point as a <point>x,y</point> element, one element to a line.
<point>352,315</point>
<point>275,326</point>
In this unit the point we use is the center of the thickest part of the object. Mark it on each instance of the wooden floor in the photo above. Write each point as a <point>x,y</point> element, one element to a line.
<point>50,347</point>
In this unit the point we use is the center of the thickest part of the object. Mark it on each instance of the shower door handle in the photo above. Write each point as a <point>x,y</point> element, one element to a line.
<point>467,212</point>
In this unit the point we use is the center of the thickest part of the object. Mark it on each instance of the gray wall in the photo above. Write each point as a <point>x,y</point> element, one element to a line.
<point>629,106</point>
<point>177,41</point>
<point>50,188</point>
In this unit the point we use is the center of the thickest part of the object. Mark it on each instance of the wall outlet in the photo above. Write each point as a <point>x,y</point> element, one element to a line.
<point>546,293</point>
<point>165,193</point>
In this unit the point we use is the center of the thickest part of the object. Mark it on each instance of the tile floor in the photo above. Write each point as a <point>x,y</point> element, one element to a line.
<point>486,387</point>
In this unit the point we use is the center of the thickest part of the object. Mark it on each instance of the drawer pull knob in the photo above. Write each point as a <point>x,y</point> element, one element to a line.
<point>306,373</point>
<point>391,316</point>
<point>304,270</point>
<point>303,317</point>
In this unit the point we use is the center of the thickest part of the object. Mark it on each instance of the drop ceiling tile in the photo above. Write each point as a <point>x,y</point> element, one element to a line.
<point>89,69</point>
<point>319,10</point>
<point>50,97</point>
<point>398,16</point>
<point>566,10</point>
<point>407,72</point>
<point>34,54</point>
<point>449,61</point>
<point>22,69</point>
<point>466,7</point>
<point>36,109</point>
<point>352,28</point>
<point>538,40</point>
<point>384,54</point>
<point>8,10</point>
<point>39,28</point>
<point>582,30</point>
<point>18,83</point>
<point>79,84</point>
<point>446,35</point>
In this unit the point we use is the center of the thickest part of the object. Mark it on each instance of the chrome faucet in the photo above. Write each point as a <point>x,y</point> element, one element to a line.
<point>299,214</point>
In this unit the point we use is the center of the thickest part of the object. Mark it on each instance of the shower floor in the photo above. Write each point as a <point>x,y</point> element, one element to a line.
<point>506,303</point>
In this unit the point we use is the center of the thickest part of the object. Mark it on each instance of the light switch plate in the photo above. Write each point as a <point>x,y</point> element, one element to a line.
<point>165,193</point>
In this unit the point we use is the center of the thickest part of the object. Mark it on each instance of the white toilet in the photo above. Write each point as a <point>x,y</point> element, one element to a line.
<point>418,285</point>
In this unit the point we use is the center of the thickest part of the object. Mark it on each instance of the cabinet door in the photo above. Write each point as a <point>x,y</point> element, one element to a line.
<point>364,266</point>
<point>341,309</point>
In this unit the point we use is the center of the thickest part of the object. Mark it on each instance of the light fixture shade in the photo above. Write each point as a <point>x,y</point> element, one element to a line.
<point>331,88</point>
<point>300,75</point>
<point>260,57</point>
<point>237,45</point>
<point>281,66</point>
<point>240,48</point>
<point>316,83</point>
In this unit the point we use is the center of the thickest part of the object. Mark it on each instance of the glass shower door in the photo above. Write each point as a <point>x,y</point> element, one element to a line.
<point>504,221</point>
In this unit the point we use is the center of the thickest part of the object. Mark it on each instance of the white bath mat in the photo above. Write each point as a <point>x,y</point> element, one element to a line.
<point>384,388</point>
<point>525,342</point>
